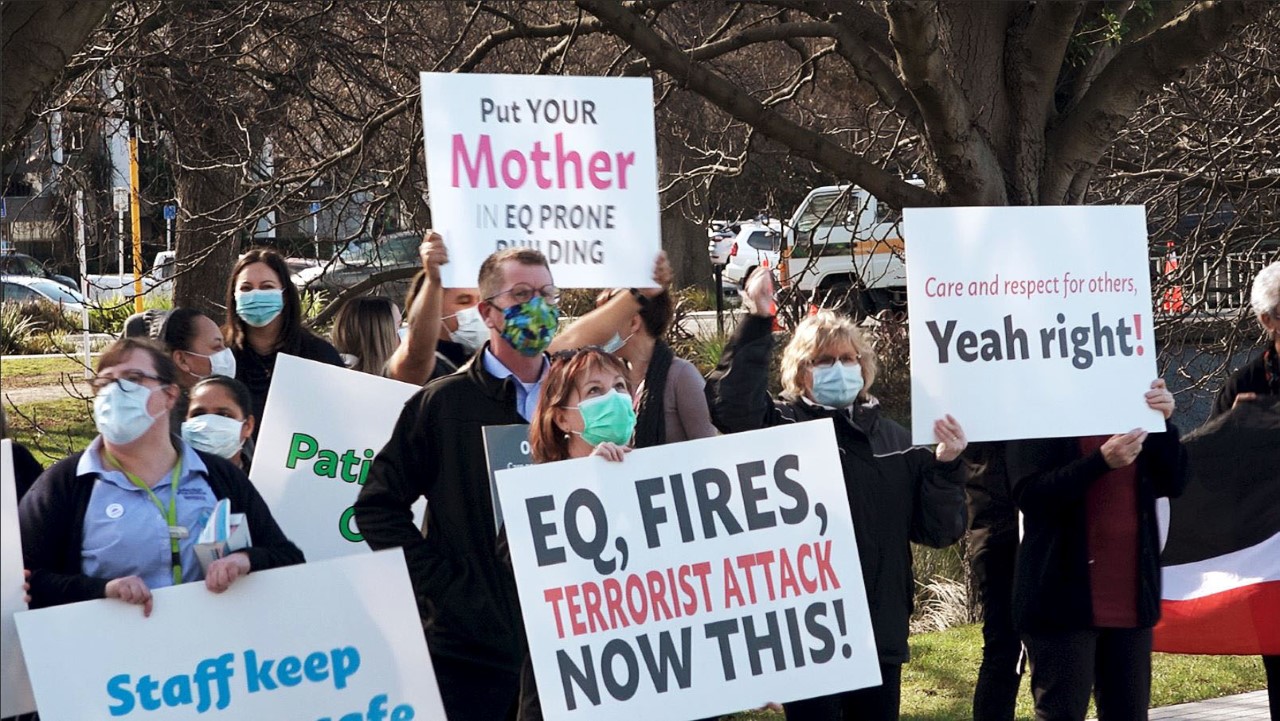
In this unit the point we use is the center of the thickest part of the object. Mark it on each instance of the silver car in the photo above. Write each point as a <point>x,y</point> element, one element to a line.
<point>362,260</point>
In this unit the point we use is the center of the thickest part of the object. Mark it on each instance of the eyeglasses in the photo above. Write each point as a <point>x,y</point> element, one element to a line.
<point>826,361</point>
<point>129,381</point>
<point>523,293</point>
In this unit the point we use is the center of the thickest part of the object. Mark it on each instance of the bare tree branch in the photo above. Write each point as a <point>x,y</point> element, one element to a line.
<point>1137,71</point>
<point>969,167</point>
<point>806,143</point>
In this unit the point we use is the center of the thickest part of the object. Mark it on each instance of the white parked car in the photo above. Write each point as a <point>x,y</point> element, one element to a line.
<point>755,244</point>
<point>27,288</point>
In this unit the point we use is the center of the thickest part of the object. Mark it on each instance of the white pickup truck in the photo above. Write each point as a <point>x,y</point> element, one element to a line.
<point>844,248</point>
<point>112,288</point>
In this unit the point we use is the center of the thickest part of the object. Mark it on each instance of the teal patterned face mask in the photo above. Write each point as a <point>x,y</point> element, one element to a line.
<point>529,326</point>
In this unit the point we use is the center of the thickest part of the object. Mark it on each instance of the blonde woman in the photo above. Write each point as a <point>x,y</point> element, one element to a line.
<point>366,333</point>
<point>898,494</point>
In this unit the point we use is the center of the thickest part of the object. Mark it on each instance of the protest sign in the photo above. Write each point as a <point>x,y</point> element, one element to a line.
<point>15,687</point>
<point>565,165</point>
<point>334,641</point>
<point>504,447</point>
<point>1030,322</point>
<point>691,579</point>
<point>321,428</point>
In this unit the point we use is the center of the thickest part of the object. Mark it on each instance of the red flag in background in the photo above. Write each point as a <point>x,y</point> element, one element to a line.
<point>1221,559</point>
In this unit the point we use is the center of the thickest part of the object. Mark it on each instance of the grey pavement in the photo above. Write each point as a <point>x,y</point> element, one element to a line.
<point>1250,706</point>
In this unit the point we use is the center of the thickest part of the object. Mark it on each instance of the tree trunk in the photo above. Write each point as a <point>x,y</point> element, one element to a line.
<point>39,40</point>
<point>207,244</point>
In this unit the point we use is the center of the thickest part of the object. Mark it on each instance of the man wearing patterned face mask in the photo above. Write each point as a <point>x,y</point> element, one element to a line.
<point>469,607</point>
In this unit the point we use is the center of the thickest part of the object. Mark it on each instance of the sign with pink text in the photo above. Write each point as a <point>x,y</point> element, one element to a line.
<point>692,580</point>
<point>1030,322</point>
<point>564,165</point>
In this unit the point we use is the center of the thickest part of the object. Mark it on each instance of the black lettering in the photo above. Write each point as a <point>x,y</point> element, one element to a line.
<point>790,487</point>
<point>709,507</point>
<point>770,640</point>
<point>617,648</point>
<point>721,631</point>
<point>650,515</point>
<point>536,507</point>
<point>584,678</point>
<point>752,495</point>
<point>941,340</point>
<point>668,662</point>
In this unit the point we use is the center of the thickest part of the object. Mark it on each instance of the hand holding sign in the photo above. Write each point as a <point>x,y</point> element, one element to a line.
<point>433,253</point>
<point>131,589</point>
<point>951,439</point>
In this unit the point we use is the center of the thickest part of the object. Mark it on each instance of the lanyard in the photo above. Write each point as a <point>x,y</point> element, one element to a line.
<point>170,516</point>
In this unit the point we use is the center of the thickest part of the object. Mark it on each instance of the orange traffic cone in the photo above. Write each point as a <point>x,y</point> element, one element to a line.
<point>1172,301</point>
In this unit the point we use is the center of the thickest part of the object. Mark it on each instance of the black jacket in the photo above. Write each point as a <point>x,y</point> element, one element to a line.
<point>993,517</point>
<point>460,571</point>
<point>897,493</point>
<point>51,517</point>
<point>1260,375</point>
<point>255,371</point>
<point>1050,479</point>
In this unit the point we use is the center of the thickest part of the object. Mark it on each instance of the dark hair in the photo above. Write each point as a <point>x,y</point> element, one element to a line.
<point>656,315</point>
<point>178,330</point>
<point>292,331</point>
<point>166,369</point>
<point>238,391</point>
<point>547,442</point>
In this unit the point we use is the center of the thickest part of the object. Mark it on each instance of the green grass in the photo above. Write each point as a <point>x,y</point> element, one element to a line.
<point>52,430</point>
<point>33,372</point>
<point>937,685</point>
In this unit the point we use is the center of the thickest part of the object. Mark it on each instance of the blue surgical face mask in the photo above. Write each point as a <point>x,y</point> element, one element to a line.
<point>222,363</point>
<point>259,307</point>
<point>837,386</point>
<point>120,411</point>
<point>609,417</point>
<point>615,343</point>
<point>214,434</point>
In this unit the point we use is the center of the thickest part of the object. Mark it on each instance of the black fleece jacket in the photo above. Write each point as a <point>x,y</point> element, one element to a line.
<point>898,494</point>
<point>1050,479</point>
<point>461,570</point>
<point>51,517</point>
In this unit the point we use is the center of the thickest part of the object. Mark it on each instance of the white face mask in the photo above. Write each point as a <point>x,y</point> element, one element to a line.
<point>214,434</point>
<point>472,332</point>
<point>120,411</point>
<point>222,363</point>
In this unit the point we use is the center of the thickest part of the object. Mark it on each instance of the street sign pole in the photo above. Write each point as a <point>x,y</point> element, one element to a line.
<point>315,229</point>
<point>82,250</point>
<point>120,201</point>
<point>170,213</point>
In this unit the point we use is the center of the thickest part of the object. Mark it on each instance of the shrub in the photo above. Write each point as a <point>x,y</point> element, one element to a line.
<point>16,329</point>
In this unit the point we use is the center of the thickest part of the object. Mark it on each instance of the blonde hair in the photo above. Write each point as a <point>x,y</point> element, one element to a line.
<point>365,327</point>
<point>822,330</point>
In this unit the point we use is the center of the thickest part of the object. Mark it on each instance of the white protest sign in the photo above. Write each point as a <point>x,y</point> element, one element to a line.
<point>1030,322</point>
<point>321,428</point>
<point>335,641</point>
<point>566,165</point>
<point>15,687</point>
<point>691,579</point>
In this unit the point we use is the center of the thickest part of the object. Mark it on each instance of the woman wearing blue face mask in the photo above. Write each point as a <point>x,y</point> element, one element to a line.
<point>122,517</point>
<point>898,494</point>
<point>264,319</point>
<point>219,421</point>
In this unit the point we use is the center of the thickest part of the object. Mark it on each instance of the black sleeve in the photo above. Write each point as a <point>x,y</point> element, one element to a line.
<point>1165,461</point>
<point>46,518</point>
<point>271,548</point>
<point>26,469</point>
<point>738,389</point>
<point>1045,475</point>
<point>400,474</point>
<point>939,517</point>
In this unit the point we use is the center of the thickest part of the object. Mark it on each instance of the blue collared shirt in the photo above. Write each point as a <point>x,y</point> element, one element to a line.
<point>526,393</point>
<point>126,535</point>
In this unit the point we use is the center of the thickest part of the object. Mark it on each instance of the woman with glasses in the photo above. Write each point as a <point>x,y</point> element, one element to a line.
<point>264,319</point>
<point>122,517</point>
<point>898,494</point>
